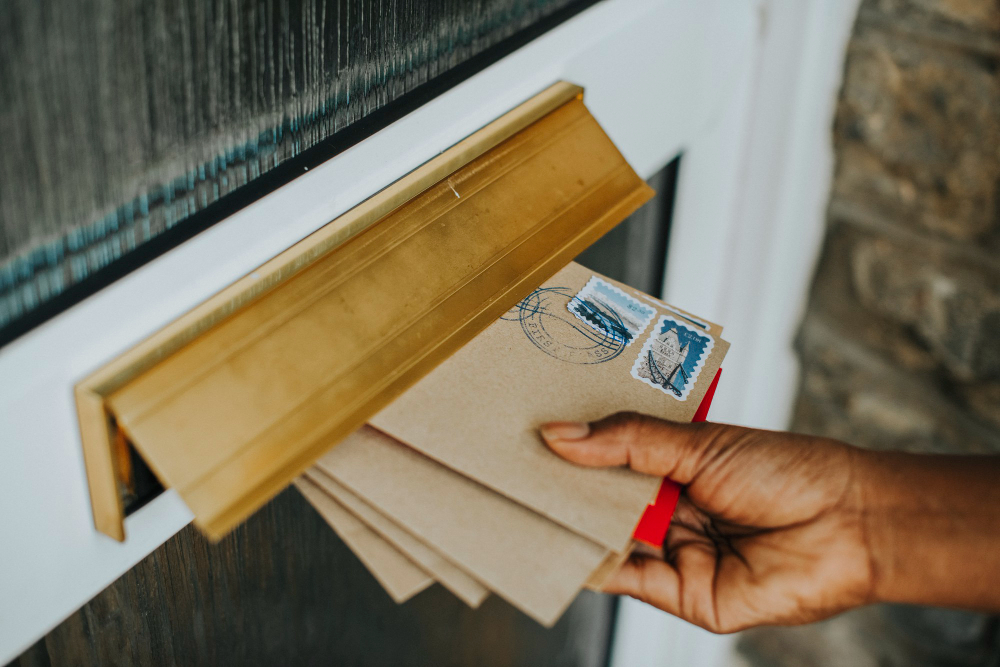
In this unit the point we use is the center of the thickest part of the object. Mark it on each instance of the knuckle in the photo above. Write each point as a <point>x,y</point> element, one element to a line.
<point>643,587</point>
<point>622,428</point>
<point>622,420</point>
<point>630,425</point>
<point>638,436</point>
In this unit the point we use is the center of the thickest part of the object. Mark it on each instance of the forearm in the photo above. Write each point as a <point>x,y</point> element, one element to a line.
<point>932,525</point>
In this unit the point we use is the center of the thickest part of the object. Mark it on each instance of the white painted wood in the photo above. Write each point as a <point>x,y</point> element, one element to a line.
<point>748,224</point>
<point>655,72</point>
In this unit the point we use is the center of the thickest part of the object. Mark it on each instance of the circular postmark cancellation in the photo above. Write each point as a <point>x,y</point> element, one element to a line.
<point>547,319</point>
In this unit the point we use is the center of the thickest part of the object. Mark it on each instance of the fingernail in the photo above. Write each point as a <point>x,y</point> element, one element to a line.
<point>565,430</point>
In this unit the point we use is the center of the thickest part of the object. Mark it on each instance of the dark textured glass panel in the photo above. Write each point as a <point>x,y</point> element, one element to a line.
<point>283,589</point>
<point>121,120</point>
<point>635,251</point>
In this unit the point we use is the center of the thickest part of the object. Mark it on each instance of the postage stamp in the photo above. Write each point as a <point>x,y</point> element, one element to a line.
<point>547,318</point>
<point>672,357</point>
<point>600,304</point>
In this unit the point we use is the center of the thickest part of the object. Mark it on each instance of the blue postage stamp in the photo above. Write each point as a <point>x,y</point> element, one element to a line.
<point>672,357</point>
<point>600,302</point>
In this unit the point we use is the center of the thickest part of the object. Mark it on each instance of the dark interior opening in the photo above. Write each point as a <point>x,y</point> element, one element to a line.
<point>635,252</point>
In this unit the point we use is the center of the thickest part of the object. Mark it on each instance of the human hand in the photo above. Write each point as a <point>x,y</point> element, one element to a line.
<point>770,528</point>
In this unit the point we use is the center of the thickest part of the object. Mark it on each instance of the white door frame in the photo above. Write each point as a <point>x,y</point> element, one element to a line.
<point>748,224</point>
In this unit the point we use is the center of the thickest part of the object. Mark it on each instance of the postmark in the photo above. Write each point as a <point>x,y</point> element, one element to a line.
<point>598,297</point>
<point>547,318</point>
<point>672,357</point>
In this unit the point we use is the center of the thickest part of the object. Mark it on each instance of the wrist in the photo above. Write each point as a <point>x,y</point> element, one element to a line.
<point>929,523</point>
<point>880,499</point>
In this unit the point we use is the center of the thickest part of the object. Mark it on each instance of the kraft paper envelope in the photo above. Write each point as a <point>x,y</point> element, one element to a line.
<point>579,348</point>
<point>602,574</point>
<point>461,584</point>
<point>400,577</point>
<point>535,564</point>
<point>464,586</point>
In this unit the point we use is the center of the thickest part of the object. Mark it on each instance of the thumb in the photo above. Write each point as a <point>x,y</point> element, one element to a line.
<point>645,444</point>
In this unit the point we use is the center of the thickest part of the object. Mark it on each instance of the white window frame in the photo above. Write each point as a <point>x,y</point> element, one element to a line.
<point>748,225</point>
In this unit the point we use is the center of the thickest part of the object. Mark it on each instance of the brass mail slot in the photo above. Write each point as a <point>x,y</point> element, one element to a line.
<point>229,403</point>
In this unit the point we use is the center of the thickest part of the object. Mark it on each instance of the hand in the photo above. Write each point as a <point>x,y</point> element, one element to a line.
<point>770,527</point>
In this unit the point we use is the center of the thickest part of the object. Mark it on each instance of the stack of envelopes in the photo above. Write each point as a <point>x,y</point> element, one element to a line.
<point>452,482</point>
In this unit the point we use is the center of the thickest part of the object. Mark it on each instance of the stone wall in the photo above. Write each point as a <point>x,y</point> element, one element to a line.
<point>900,347</point>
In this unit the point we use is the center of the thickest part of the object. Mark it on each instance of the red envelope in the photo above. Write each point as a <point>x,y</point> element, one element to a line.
<point>652,527</point>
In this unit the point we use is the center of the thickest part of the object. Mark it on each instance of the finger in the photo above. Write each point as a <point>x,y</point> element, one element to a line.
<point>649,580</point>
<point>646,444</point>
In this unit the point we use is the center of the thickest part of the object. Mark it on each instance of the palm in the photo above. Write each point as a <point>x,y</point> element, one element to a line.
<point>732,576</point>
<point>745,554</point>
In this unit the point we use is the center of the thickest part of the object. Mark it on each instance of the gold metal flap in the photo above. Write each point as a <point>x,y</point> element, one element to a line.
<point>232,401</point>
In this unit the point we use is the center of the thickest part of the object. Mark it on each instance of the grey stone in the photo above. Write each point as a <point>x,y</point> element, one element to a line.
<point>983,400</point>
<point>947,634</point>
<point>918,131</point>
<point>953,309</point>
<point>975,15</point>
<point>882,636</point>
<point>900,347</point>
<point>833,295</point>
<point>852,393</point>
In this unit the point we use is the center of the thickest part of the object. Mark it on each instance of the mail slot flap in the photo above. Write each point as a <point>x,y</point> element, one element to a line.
<point>232,402</point>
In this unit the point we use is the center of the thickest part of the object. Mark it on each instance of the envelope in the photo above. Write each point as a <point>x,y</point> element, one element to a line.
<point>473,481</point>
<point>651,531</point>
<point>400,577</point>
<point>533,563</point>
<point>449,575</point>
<point>432,557</point>
<point>580,347</point>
